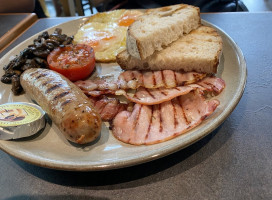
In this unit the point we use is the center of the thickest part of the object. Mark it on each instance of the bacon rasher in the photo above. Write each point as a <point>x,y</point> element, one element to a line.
<point>161,122</point>
<point>168,103</point>
<point>157,79</point>
<point>136,79</point>
<point>108,108</point>
<point>156,96</point>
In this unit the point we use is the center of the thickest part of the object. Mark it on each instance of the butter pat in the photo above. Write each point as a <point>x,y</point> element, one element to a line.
<point>20,119</point>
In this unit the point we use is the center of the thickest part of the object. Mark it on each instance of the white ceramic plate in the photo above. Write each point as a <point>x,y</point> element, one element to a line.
<point>50,149</point>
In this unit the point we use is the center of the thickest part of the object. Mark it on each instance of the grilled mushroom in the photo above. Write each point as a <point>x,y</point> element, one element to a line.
<point>33,56</point>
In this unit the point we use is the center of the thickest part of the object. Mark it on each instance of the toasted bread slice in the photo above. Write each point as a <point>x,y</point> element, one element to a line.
<point>159,27</point>
<point>198,51</point>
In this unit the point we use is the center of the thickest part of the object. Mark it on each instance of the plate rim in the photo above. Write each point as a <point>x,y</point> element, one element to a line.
<point>166,150</point>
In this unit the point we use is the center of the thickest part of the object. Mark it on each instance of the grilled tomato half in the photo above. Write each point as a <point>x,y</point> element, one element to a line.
<point>76,62</point>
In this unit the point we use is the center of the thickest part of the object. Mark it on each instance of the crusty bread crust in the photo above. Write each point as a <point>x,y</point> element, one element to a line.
<point>198,51</point>
<point>159,27</point>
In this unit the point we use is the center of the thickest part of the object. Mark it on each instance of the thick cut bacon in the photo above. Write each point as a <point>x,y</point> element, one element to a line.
<point>161,122</point>
<point>108,108</point>
<point>159,95</point>
<point>136,79</point>
<point>156,96</point>
<point>213,84</point>
<point>158,79</point>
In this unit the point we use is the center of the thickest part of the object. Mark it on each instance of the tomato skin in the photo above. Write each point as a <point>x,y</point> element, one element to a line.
<point>76,62</point>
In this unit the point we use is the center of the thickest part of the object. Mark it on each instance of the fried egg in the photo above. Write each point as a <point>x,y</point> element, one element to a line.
<point>106,33</point>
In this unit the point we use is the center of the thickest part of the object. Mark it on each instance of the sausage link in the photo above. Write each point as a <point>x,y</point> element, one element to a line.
<point>67,106</point>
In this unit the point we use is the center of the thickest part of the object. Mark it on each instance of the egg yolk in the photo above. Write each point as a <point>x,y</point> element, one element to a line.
<point>127,20</point>
<point>97,37</point>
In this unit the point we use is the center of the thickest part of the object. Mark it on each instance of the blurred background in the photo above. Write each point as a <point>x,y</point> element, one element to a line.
<point>62,8</point>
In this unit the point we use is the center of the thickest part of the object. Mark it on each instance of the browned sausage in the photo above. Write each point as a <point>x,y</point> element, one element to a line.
<point>64,102</point>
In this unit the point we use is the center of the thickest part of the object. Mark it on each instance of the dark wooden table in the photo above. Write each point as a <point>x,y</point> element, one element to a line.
<point>233,162</point>
<point>12,25</point>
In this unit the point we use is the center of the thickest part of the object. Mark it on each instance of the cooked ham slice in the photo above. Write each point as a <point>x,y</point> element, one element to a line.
<point>108,108</point>
<point>161,122</point>
<point>156,96</point>
<point>135,79</point>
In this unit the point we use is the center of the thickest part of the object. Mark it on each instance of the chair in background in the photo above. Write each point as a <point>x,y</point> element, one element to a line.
<point>204,5</point>
<point>91,4</point>
<point>77,7</point>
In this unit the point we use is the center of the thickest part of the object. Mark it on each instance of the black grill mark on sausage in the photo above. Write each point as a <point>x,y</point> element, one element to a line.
<point>66,102</point>
<point>49,81</point>
<point>58,96</point>
<point>34,73</point>
<point>53,88</point>
<point>41,75</point>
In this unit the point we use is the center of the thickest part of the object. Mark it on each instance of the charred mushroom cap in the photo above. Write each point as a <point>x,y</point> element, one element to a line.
<point>33,56</point>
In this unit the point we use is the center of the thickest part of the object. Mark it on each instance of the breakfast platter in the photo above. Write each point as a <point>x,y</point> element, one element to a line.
<point>49,148</point>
